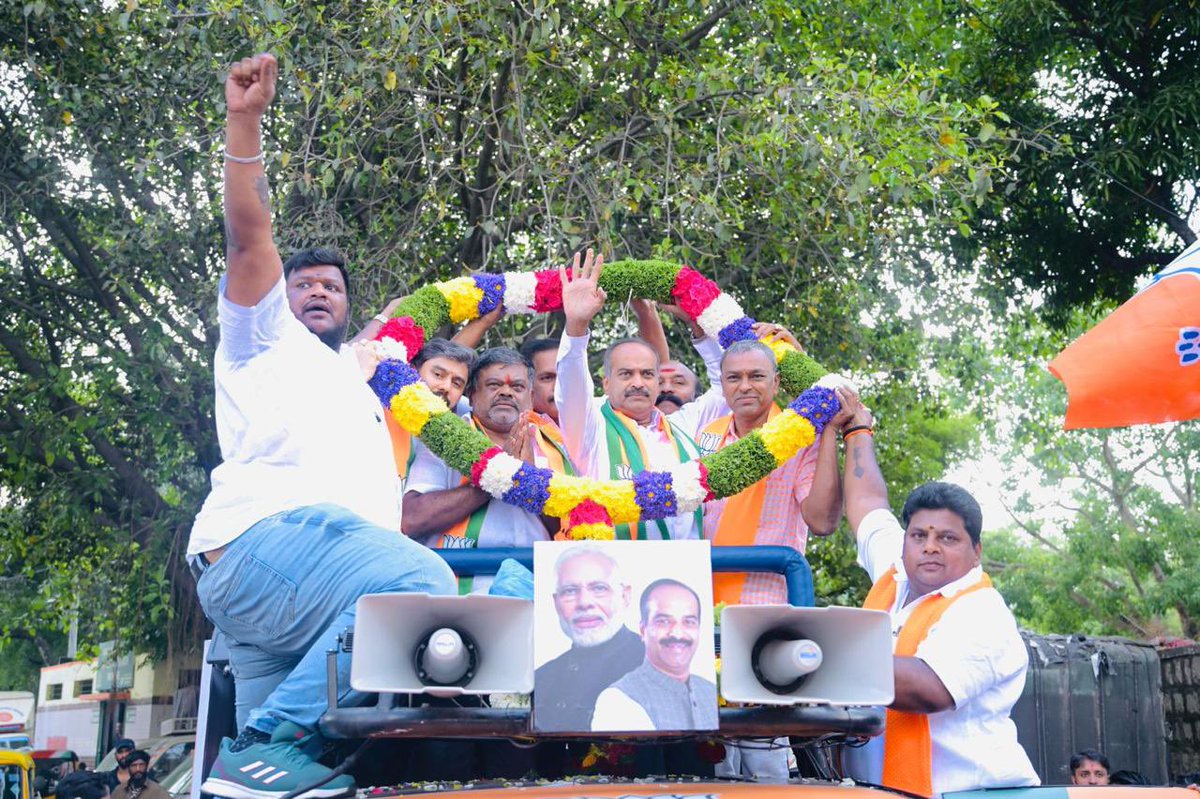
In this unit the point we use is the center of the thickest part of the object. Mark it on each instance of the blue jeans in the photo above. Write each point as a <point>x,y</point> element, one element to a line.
<point>283,591</point>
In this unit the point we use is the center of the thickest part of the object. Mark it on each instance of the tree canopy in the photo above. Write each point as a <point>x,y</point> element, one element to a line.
<point>832,165</point>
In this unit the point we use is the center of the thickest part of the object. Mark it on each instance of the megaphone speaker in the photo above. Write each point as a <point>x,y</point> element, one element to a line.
<point>784,655</point>
<point>442,645</point>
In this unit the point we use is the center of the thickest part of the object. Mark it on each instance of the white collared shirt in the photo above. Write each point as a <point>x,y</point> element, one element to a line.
<point>583,425</point>
<point>977,653</point>
<point>297,424</point>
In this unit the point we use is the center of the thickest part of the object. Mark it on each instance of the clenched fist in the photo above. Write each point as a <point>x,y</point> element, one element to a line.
<point>251,85</point>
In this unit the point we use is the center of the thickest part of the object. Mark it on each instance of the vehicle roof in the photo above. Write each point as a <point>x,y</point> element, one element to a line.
<point>13,757</point>
<point>610,788</point>
<point>1075,792</point>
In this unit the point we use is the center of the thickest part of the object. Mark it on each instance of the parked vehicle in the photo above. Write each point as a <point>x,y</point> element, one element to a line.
<point>16,775</point>
<point>166,754</point>
<point>50,766</point>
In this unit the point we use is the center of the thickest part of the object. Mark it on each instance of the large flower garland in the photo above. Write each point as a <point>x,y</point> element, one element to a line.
<point>590,508</point>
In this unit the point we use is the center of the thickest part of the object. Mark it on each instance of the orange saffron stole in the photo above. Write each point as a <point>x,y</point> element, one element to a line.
<point>740,515</point>
<point>402,445</point>
<point>907,747</point>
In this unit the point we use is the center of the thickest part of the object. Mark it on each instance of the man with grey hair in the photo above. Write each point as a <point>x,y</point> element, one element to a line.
<point>591,599</point>
<point>622,433</point>
<point>443,509</point>
<point>803,494</point>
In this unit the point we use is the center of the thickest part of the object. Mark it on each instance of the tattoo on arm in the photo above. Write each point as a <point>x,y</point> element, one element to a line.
<point>263,189</point>
<point>231,240</point>
<point>858,469</point>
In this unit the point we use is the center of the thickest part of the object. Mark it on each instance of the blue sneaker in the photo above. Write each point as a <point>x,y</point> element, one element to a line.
<point>269,771</point>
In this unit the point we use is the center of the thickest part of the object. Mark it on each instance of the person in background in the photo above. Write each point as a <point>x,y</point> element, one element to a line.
<point>1089,767</point>
<point>139,786</point>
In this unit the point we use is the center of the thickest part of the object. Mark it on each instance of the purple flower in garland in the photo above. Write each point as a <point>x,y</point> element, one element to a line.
<point>737,330</point>
<point>530,488</point>
<point>818,405</point>
<point>492,287</point>
<point>655,495</point>
<point>391,376</point>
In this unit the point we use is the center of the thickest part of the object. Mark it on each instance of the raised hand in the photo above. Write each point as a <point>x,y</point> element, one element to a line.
<point>773,332</point>
<point>853,413</point>
<point>582,296</point>
<point>250,85</point>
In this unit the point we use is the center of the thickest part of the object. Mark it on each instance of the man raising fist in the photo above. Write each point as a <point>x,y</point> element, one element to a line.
<point>304,513</point>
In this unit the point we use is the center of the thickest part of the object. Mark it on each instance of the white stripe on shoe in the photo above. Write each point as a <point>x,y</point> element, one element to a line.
<point>258,775</point>
<point>274,777</point>
<point>250,767</point>
<point>231,790</point>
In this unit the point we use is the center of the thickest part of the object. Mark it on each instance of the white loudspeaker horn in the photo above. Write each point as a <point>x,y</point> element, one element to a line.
<point>442,645</point>
<point>784,655</point>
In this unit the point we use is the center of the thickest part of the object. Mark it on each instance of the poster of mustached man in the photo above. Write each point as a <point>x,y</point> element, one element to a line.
<point>623,637</point>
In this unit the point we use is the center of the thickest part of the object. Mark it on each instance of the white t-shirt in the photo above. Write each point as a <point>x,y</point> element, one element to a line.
<point>977,653</point>
<point>297,424</point>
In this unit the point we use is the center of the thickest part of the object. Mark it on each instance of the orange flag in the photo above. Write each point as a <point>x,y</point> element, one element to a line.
<point>1141,364</point>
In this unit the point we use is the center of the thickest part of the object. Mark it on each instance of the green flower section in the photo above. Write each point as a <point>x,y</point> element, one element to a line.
<point>798,372</point>
<point>427,307</point>
<point>737,467</point>
<point>454,441</point>
<point>648,280</point>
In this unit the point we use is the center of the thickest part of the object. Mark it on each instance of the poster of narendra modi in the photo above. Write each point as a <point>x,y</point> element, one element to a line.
<point>623,637</point>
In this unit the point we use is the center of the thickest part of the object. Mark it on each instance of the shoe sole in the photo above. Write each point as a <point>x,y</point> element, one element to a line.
<point>232,790</point>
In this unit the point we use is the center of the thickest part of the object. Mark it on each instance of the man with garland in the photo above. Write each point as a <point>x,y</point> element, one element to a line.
<point>803,494</point>
<point>622,433</point>
<point>959,660</point>
<point>304,511</point>
<point>441,506</point>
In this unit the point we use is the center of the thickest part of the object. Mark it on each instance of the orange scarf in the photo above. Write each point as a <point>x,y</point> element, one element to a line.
<point>907,747</point>
<point>547,438</point>
<point>402,446</point>
<point>740,515</point>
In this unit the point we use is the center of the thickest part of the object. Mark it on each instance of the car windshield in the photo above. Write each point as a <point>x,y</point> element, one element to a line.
<point>10,782</point>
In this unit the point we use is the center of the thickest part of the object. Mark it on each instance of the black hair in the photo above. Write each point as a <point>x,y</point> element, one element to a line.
<point>1128,777</point>
<point>535,345</point>
<point>318,256</point>
<point>945,496</point>
<point>622,342</point>
<point>497,355</point>
<point>83,785</point>
<point>644,602</point>
<point>1095,755</point>
<point>444,348</point>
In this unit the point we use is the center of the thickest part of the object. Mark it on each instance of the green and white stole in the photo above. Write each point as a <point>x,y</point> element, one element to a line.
<point>627,457</point>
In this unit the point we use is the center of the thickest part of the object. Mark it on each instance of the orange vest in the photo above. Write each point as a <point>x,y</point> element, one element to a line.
<point>739,518</point>
<point>907,747</point>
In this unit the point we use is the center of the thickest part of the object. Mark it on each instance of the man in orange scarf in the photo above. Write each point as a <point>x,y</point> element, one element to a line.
<point>959,660</point>
<point>803,494</point>
<point>442,508</point>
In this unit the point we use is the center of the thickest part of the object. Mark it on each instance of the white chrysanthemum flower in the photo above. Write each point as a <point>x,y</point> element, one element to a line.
<point>689,490</point>
<point>390,349</point>
<point>834,380</point>
<point>721,312</point>
<point>520,289</point>
<point>498,476</point>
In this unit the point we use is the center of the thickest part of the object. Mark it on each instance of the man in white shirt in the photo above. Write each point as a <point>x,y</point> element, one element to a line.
<point>959,660</point>
<point>444,509</point>
<point>304,513</point>
<point>622,433</point>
